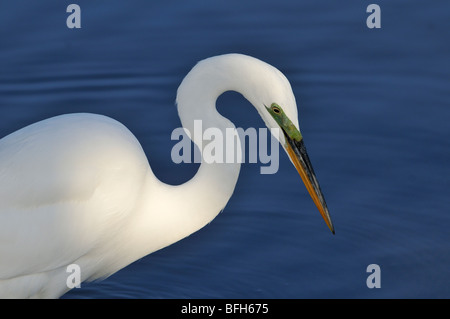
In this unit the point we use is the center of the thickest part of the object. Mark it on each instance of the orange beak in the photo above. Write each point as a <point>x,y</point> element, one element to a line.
<point>297,152</point>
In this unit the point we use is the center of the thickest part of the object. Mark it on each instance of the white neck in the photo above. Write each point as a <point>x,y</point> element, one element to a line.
<point>170,213</point>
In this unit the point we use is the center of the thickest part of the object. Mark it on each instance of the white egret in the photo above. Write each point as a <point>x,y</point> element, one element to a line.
<point>78,188</point>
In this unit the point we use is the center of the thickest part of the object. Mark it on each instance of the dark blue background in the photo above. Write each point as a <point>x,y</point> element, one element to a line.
<point>374,111</point>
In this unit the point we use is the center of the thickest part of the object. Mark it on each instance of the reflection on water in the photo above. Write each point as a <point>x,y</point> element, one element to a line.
<point>373,107</point>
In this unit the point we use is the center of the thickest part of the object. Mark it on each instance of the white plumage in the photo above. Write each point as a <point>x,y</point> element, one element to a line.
<point>78,189</point>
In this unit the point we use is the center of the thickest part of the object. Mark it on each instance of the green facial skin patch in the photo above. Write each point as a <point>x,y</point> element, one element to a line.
<point>284,122</point>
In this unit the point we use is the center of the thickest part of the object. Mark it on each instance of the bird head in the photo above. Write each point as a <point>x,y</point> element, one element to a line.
<point>277,106</point>
<point>292,141</point>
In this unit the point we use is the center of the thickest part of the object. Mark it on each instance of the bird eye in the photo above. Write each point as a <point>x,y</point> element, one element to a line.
<point>276,109</point>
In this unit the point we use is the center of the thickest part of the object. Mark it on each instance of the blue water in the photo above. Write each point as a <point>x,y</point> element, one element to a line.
<point>374,111</point>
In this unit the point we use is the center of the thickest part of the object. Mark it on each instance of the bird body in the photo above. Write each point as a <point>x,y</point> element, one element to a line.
<point>78,188</point>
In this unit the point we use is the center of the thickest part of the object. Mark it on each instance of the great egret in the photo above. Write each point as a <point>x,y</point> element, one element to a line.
<point>78,189</point>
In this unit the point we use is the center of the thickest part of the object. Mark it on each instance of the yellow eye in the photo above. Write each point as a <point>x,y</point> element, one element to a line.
<point>276,109</point>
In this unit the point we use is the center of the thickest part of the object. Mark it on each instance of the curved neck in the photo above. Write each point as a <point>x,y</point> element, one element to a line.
<point>211,188</point>
<point>183,209</point>
<point>165,213</point>
<point>207,193</point>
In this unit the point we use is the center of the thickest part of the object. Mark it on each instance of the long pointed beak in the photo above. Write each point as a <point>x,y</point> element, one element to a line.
<point>299,156</point>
